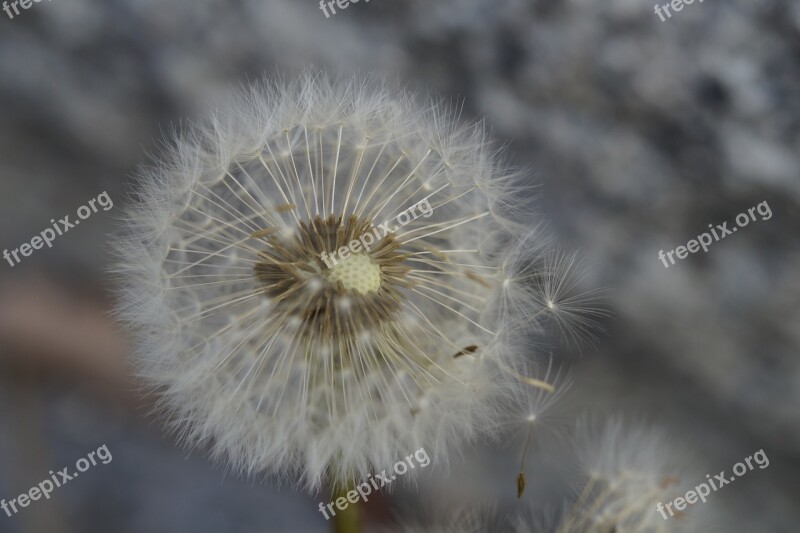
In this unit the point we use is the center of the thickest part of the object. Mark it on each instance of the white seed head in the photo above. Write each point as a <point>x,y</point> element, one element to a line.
<point>629,470</point>
<point>287,356</point>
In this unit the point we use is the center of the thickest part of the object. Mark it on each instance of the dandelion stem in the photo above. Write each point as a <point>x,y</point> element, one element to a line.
<point>347,520</point>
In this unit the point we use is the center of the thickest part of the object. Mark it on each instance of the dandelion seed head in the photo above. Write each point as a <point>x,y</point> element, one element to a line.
<point>629,469</point>
<point>287,357</point>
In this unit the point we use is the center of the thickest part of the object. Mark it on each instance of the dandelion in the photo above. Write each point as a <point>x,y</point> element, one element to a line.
<point>628,470</point>
<point>287,362</point>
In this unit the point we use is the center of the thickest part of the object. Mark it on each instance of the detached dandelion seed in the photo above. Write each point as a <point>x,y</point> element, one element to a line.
<point>531,402</point>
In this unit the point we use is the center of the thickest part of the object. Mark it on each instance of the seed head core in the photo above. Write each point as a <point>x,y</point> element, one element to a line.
<point>357,273</point>
<point>332,295</point>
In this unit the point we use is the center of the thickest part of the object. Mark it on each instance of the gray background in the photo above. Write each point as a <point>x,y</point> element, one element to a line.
<point>639,132</point>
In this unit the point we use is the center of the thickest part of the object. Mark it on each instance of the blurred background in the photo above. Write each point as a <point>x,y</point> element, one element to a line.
<point>638,132</point>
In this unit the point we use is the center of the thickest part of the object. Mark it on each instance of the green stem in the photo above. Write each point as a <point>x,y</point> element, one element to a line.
<point>349,519</point>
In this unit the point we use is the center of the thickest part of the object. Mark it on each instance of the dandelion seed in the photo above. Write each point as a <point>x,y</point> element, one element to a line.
<point>532,400</point>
